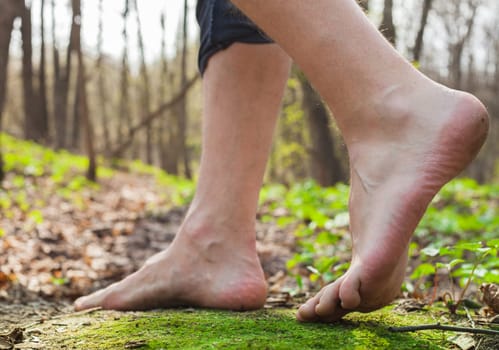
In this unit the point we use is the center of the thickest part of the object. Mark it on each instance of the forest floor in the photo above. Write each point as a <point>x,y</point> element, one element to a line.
<point>62,237</point>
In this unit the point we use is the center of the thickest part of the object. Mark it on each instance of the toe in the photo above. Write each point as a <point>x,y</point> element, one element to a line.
<point>329,301</point>
<point>306,312</point>
<point>90,301</point>
<point>349,292</point>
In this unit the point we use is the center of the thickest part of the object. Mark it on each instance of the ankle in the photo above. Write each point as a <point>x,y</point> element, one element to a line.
<point>210,231</point>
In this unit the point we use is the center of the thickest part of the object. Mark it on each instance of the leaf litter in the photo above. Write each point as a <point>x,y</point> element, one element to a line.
<point>96,238</point>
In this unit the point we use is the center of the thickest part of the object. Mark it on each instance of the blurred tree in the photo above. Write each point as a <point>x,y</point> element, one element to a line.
<point>145,95</point>
<point>459,20</point>
<point>77,108</point>
<point>125,118</point>
<point>81,99</point>
<point>34,85</point>
<point>418,46</point>
<point>29,97</point>
<point>9,10</point>
<point>182,114</point>
<point>43,114</point>
<point>364,4</point>
<point>101,84</point>
<point>167,129</point>
<point>62,76</point>
<point>387,27</point>
<point>325,165</point>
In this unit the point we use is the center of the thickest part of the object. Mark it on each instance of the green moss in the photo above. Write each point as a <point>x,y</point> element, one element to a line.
<point>265,329</point>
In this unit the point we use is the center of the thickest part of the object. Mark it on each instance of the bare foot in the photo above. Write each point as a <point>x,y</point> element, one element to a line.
<point>403,148</point>
<point>198,269</point>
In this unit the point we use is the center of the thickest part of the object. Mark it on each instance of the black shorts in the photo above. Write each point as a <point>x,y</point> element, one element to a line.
<point>221,25</point>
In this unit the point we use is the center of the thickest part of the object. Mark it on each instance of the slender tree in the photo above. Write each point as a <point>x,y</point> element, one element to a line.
<point>101,84</point>
<point>9,10</point>
<point>29,97</point>
<point>387,27</point>
<point>364,4</point>
<point>182,115</point>
<point>125,119</point>
<point>145,91</point>
<point>42,80</point>
<point>81,98</point>
<point>325,165</point>
<point>418,46</point>
<point>166,129</point>
<point>77,110</point>
<point>34,85</point>
<point>62,77</point>
<point>459,24</point>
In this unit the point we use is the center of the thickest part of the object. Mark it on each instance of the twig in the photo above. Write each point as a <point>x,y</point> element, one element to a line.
<point>147,119</point>
<point>469,317</point>
<point>438,326</point>
<point>77,313</point>
<point>56,317</point>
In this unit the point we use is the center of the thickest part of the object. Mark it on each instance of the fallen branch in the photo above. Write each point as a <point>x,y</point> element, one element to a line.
<point>438,326</point>
<point>146,120</point>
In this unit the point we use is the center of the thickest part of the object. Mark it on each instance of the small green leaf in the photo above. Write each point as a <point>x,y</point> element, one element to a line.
<point>430,251</point>
<point>471,246</point>
<point>454,263</point>
<point>493,243</point>
<point>422,271</point>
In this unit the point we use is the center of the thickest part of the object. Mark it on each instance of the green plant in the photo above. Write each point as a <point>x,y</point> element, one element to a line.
<point>466,262</point>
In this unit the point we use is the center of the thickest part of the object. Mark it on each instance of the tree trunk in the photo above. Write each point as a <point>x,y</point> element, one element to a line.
<point>166,129</point>
<point>387,27</point>
<point>146,93</point>
<point>43,115</point>
<point>9,10</point>
<point>457,48</point>
<point>364,4</point>
<point>101,85</point>
<point>418,46</point>
<point>182,116</point>
<point>125,118</point>
<point>31,131</point>
<point>59,116</point>
<point>325,166</point>
<point>62,76</point>
<point>76,35</point>
<point>81,101</point>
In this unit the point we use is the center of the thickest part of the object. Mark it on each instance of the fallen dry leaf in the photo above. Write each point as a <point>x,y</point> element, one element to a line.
<point>491,296</point>
<point>7,341</point>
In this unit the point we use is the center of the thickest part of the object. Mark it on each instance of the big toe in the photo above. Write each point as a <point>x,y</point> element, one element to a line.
<point>90,301</point>
<point>107,298</point>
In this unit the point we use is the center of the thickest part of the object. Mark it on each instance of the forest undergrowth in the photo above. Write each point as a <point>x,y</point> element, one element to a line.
<point>62,236</point>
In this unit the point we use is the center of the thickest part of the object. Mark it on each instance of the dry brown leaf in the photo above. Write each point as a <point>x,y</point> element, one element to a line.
<point>491,296</point>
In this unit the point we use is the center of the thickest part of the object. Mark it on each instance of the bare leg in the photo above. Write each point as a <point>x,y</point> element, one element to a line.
<point>212,261</point>
<point>406,135</point>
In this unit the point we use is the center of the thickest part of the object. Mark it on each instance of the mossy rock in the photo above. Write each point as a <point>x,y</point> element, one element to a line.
<point>209,329</point>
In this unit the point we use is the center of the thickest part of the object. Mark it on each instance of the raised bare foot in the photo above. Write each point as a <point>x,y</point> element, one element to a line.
<point>403,146</point>
<point>200,268</point>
